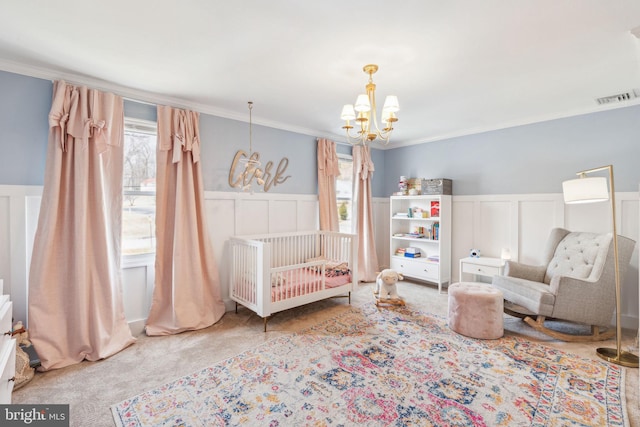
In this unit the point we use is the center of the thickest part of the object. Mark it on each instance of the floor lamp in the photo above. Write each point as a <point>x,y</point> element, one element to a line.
<point>589,190</point>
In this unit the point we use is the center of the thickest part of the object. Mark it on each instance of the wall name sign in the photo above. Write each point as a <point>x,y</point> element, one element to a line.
<point>248,167</point>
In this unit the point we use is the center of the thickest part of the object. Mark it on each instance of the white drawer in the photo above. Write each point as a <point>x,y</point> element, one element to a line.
<point>5,319</point>
<point>416,268</point>
<point>482,270</point>
<point>7,370</point>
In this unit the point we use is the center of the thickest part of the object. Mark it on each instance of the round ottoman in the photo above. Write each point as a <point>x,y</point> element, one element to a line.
<point>476,310</point>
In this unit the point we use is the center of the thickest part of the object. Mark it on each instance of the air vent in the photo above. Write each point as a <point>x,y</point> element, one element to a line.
<point>621,97</point>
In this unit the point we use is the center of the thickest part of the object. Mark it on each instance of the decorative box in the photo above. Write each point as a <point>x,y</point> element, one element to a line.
<point>437,186</point>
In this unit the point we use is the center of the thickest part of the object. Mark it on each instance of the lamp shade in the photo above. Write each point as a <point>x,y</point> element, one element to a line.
<point>585,190</point>
<point>362,103</point>
<point>348,112</point>
<point>391,104</point>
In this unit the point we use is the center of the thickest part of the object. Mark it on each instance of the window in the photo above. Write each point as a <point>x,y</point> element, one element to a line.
<point>139,187</point>
<point>344,192</point>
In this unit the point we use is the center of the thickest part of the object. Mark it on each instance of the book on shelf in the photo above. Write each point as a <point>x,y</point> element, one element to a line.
<point>416,255</point>
<point>412,250</point>
<point>435,208</point>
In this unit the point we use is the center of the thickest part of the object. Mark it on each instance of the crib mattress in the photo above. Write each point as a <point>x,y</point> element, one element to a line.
<point>303,281</point>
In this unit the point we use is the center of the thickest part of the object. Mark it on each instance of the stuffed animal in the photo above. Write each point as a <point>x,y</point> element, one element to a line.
<point>386,284</point>
<point>23,370</point>
<point>21,334</point>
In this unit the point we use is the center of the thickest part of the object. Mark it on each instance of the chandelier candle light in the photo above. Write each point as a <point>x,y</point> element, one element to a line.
<point>364,113</point>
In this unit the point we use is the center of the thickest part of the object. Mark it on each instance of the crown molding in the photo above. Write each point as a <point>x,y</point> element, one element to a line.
<point>149,97</point>
<point>523,122</point>
<point>137,95</point>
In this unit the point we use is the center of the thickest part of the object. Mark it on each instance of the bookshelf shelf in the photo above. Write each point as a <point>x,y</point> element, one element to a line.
<point>406,218</point>
<point>419,239</point>
<point>430,217</point>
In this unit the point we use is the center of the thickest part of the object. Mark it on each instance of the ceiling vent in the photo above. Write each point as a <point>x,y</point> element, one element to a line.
<point>621,97</point>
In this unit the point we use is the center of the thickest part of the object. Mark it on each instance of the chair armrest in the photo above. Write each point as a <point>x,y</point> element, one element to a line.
<point>535,273</point>
<point>583,300</point>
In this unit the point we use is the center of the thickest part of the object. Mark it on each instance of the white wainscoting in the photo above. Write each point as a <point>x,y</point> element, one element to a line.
<point>19,208</point>
<point>520,222</point>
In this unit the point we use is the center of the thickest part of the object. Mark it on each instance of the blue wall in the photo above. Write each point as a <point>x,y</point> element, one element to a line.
<point>24,109</point>
<point>533,158</point>
<point>222,138</point>
<point>24,128</point>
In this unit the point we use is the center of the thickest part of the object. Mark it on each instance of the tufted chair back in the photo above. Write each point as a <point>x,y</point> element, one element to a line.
<point>579,255</point>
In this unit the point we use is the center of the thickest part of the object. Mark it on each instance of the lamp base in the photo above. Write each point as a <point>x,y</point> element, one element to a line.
<point>625,358</point>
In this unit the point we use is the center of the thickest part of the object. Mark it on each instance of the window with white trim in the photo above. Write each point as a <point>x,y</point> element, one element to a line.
<point>344,192</point>
<point>139,187</point>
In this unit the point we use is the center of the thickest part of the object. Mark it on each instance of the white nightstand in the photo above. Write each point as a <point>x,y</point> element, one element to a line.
<point>482,266</point>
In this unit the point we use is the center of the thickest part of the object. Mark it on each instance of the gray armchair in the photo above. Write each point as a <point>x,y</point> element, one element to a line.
<point>576,283</point>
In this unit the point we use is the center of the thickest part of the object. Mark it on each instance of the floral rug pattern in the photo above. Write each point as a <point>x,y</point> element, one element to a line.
<point>388,367</point>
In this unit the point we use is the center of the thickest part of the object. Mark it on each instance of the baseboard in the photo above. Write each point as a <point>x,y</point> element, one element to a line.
<point>629,322</point>
<point>137,327</point>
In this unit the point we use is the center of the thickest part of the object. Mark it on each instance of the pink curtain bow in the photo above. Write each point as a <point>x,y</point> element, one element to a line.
<point>363,163</point>
<point>186,133</point>
<point>96,129</point>
<point>181,144</point>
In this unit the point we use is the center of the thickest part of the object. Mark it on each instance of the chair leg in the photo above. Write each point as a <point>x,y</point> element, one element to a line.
<point>596,334</point>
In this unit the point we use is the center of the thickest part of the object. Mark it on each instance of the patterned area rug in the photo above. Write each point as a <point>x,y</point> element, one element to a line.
<point>394,367</point>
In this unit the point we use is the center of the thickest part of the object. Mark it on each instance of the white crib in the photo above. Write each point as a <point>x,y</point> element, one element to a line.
<point>275,272</point>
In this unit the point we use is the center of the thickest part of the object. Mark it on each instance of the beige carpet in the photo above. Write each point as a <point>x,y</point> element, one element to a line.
<point>92,387</point>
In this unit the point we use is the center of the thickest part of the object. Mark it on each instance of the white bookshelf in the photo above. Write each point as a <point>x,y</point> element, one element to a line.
<point>418,231</point>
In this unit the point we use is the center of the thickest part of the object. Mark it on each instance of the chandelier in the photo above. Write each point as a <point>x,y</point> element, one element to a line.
<point>364,113</point>
<point>250,163</point>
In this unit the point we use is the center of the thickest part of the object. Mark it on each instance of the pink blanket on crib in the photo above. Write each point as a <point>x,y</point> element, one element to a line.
<point>293,283</point>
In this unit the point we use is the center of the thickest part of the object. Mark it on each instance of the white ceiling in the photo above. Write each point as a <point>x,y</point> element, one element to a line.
<point>457,66</point>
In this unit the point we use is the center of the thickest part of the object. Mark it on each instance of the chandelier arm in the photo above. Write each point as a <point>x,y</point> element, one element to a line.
<point>374,110</point>
<point>382,134</point>
<point>353,139</point>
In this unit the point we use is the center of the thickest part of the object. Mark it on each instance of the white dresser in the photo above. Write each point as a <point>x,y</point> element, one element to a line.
<point>7,349</point>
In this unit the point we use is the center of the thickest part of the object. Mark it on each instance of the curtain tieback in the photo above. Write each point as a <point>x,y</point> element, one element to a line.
<point>60,121</point>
